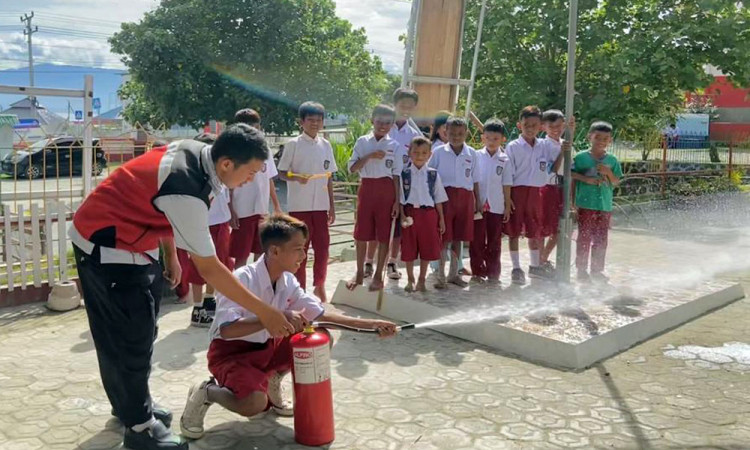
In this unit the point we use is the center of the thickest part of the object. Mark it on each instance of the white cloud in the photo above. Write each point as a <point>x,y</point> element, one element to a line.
<point>88,22</point>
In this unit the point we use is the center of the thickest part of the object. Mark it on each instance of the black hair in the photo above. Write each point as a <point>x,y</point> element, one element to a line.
<point>495,126</point>
<point>240,143</point>
<point>602,126</point>
<point>455,121</point>
<point>417,141</point>
<point>206,138</point>
<point>402,93</point>
<point>552,116</point>
<point>384,110</point>
<point>247,116</point>
<point>440,119</point>
<point>311,109</point>
<point>530,111</point>
<point>278,229</point>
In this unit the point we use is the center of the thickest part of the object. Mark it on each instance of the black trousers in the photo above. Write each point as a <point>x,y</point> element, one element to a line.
<point>122,303</point>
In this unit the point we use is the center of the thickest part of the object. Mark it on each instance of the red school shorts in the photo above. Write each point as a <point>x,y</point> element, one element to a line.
<point>375,200</point>
<point>459,215</point>
<point>220,236</point>
<point>421,240</point>
<point>552,206</point>
<point>246,238</point>
<point>526,219</point>
<point>244,367</point>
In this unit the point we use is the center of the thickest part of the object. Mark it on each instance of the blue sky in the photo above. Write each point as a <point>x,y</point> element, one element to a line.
<point>74,31</point>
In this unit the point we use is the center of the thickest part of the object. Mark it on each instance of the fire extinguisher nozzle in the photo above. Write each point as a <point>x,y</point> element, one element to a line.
<point>408,326</point>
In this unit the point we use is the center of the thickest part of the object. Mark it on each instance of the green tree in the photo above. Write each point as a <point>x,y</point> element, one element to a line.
<point>635,60</point>
<point>193,60</point>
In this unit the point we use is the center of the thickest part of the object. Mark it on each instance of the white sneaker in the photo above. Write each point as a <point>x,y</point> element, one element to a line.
<point>191,422</point>
<point>279,404</point>
<point>393,272</point>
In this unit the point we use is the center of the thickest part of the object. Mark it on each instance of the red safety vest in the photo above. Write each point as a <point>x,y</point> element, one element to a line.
<point>120,212</point>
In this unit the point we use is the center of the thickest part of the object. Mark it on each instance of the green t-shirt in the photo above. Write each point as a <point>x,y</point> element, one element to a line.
<point>590,196</point>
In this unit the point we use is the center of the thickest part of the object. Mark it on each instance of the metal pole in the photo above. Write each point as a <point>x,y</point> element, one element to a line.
<point>409,43</point>
<point>566,225</point>
<point>88,158</point>
<point>460,52</point>
<point>28,31</point>
<point>474,63</point>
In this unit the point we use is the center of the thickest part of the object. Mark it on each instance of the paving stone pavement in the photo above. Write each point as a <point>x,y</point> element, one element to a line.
<point>420,390</point>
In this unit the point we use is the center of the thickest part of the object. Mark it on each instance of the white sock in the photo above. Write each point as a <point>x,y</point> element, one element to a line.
<point>145,425</point>
<point>534,258</point>
<point>516,259</point>
<point>368,260</point>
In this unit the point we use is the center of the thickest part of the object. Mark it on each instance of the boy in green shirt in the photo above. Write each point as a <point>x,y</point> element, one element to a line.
<point>596,173</point>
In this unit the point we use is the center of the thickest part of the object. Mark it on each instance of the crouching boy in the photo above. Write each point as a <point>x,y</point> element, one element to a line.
<point>248,364</point>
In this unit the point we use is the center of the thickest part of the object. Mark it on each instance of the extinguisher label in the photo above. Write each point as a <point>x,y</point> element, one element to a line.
<point>312,365</point>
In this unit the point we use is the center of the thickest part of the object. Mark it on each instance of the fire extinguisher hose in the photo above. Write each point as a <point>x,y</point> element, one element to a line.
<point>337,326</point>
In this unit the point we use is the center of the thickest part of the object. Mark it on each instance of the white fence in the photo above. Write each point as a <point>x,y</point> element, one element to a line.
<point>35,246</point>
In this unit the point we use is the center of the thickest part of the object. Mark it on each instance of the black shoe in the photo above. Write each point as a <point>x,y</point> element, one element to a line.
<point>210,304</point>
<point>517,276</point>
<point>540,272</point>
<point>158,437</point>
<point>160,413</point>
<point>369,270</point>
<point>548,267</point>
<point>200,318</point>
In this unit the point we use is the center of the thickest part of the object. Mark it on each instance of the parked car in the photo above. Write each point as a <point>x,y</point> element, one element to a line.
<point>53,157</point>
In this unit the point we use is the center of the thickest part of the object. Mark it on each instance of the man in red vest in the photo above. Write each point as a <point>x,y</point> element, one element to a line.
<point>159,199</point>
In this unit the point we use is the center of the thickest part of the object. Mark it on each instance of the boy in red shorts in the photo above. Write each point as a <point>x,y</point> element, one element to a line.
<point>529,157</point>
<point>377,160</point>
<point>422,197</point>
<point>553,122</point>
<point>250,202</point>
<point>307,165</point>
<point>494,173</point>
<point>456,164</point>
<point>248,364</point>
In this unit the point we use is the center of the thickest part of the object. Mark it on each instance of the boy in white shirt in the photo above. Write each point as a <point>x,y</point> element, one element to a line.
<point>377,160</point>
<point>422,198</point>
<point>456,164</point>
<point>249,202</point>
<point>248,364</point>
<point>529,157</point>
<point>307,165</point>
<point>495,174</point>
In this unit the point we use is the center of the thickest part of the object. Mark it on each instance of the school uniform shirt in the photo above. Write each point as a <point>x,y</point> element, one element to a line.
<point>436,144</point>
<point>187,215</point>
<point>218,212</point>
<point>404,136</point>
<point>552,180</point>
<point>391,165</point>
<point>252,198</point>
<point>495,171</point>
<point>286,295</point>
<point>419,194</point>
<point>530,162</point>
<point>455,170</point>
<point>308,156</point>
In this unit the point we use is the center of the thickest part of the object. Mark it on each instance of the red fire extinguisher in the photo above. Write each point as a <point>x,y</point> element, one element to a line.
<point>313,399</point>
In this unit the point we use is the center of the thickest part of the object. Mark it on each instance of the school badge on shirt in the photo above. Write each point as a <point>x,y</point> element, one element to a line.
<point>406,159</point>
<point>326,164</point>
<point>543,166</point>
<point>499,170</point>
<point>389,163</point>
